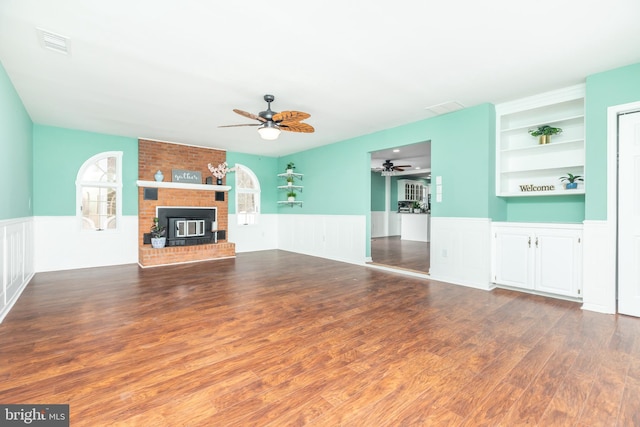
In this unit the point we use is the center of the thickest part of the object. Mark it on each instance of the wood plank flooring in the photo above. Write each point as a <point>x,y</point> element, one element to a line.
<point>280,339</point>
<point>405,254</point>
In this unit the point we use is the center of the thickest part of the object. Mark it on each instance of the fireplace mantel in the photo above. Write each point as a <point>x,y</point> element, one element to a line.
<point>182,186</point>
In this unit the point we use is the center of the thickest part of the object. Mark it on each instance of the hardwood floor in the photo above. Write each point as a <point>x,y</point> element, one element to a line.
<point>404,254</point>
<point>280,339</point>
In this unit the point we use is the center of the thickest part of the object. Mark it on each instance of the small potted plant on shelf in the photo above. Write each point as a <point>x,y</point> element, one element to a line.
<point>158,240</point>
<point>545,132</point>
<point>416,207</point>
<point>290,167</point>
<point>290,181</point>
<point>291,196</point>
<point>571,181</point>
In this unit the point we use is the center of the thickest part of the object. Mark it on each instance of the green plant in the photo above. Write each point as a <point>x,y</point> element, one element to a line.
<point>289,179</point>
<point>290,165</point>
<point>416,205</point>
<point>291,194</point>
<point>571,178</point>
<point>544,130</point>
<point>157,230</point>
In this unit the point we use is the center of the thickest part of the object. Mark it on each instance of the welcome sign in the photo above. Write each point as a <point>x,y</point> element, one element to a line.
<point>531,187</point>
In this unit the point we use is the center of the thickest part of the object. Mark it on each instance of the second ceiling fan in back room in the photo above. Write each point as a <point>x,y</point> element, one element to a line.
<point>388,168</point>
<point>271,122</point>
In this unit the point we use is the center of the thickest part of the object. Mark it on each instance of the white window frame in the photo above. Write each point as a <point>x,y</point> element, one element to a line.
<point>242,218</point>
<point>116,185</point>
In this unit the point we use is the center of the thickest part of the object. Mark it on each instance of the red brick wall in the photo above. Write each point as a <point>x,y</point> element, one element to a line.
<point>154,156</point>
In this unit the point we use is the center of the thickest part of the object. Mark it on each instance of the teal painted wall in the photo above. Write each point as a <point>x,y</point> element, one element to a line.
<point>338,176</point>
<point>565,209</point>
<point>266,169</point>
<point>16,153</point>
<point>58,155</point>
<point>378,189</point>
<point>614,87</point>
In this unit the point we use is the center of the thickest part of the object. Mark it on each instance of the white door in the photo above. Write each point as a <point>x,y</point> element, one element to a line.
<point>629,214</point>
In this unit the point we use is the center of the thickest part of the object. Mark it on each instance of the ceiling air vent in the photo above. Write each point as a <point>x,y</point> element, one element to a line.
<point>53,41</point>
<point>444,108</point>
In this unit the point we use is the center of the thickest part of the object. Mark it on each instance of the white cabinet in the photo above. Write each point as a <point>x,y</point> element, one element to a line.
<point>544,258</point>
<point>409,190</point>
<point>524,167</point>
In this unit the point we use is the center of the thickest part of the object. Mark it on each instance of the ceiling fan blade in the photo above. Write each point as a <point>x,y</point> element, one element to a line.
<point>398,169</point>
<point>247,124</point>
<point>296,127</point>
<point>290,116</point>
<point>402,166</point>
<point>249,115</point>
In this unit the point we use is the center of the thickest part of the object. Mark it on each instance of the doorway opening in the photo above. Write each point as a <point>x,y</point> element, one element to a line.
<point>401,220</point>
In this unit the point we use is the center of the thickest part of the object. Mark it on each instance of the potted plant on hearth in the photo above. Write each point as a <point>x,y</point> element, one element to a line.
<point>291,196</point>
<point>545,132</point>
<point>571,181</point>
<point>158,240</point>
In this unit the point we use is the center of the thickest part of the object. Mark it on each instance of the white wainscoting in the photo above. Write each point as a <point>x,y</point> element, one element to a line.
<point>461,251</point>
<point>337,237</point>
<point>255,237</point>
<point>377,224</point>
<point>61,245</point>
<point>599,266</point>
<point>16,260</point>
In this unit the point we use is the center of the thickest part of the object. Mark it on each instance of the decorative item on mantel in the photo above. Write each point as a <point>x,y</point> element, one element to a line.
<point>545,132</point>
<point>158,239</point>
<point>220,171</point>
<point>571,181</point>
<point>159,176</point>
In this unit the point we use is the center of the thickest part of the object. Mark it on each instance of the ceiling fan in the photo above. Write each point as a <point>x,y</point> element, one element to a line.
<point>271,123</point>
<point>388,166</point>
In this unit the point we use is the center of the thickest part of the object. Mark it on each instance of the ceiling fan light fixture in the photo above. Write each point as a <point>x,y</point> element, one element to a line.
<point>269,131</point>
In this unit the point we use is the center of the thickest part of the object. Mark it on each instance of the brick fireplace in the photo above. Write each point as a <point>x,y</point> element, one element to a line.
<point>164,156</point>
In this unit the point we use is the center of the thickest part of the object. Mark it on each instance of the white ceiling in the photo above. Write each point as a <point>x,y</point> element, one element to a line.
<point>174,70</point>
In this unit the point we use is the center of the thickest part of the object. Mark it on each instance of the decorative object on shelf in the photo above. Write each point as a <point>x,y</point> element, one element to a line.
<point>416,207</point>
<point>271,123</point>
<point>290,181</point>
<point>545,132</point>
<point>220,171</point>
<point>180,175</point>
<point>571,181</point>
<point>158,239</point>
<point>159,176</point>
<point>290,167</point>
<point>291,196</point>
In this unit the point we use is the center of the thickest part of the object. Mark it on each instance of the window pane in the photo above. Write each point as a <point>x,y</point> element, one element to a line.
<point>244,180</point>
<point>98,208</point>
<point>104,170</point>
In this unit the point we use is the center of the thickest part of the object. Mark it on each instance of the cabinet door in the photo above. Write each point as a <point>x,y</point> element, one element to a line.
<point>558,262</point>
<point>514,258</point>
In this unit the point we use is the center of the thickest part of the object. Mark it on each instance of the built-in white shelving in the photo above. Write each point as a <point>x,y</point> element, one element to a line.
<point>523,166</point>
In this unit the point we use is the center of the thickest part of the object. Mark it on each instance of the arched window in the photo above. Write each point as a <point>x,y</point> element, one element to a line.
<point>247,195</point>
<point>99,192</point>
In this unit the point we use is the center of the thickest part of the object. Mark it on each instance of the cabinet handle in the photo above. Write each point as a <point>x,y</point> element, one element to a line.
<point>529,242</point>
<point>536,242</point>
